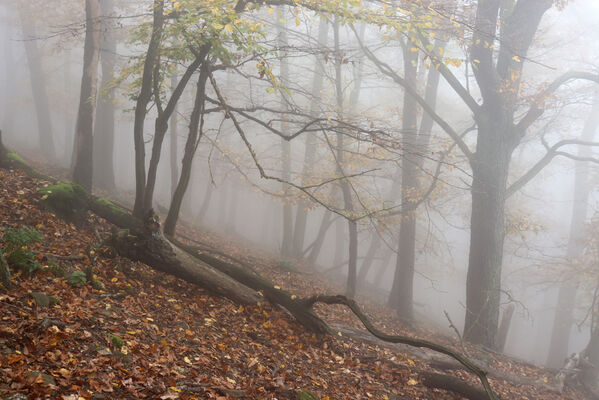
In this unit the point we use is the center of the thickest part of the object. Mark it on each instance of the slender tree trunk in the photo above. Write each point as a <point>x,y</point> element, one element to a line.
<point>173,143</point>
<point>161,125</point>
<point>104,123</point>
<point>401,296</point>
<point>232,211</point>
<point>141,105</point>
<point>69,126</point>
<point>193,138</point>
<point>38,83</point>
<point>205,204</point>
<point>9,79</point>
<point>301,216</point>
<point>83,168</point>
<point>415,143</point>
<point>590,371</point>
<point>344,183</point>
<point>373,248</point>
<point>287,239</point>
<point>562,323</point>
<point>383,265</point>
<point>319,241</point>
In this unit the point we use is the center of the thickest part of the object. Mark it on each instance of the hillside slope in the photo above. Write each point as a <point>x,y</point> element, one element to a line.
<point>136,333</point>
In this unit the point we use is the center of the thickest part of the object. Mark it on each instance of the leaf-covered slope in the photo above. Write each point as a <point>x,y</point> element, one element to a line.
<point>143,334</point>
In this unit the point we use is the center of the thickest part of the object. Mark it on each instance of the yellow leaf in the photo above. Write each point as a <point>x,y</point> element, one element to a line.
<point>187,360</point>
<point>412,382</point>
<point>297,21</point>
<point>277,287</point>
<point>228,28</point>
<point>516,58</point>
<point>271,10</point>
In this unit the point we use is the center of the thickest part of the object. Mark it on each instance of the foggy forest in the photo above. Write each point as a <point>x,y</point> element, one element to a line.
<point>299,199</point>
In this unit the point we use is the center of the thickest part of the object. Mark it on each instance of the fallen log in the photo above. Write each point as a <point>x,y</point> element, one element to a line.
<point>143,241</point>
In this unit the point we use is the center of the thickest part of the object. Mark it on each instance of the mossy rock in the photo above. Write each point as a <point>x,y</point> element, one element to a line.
<point>41,299</point>
<point>67,200</point>
<point>47,379</point>
<point>116,341</point>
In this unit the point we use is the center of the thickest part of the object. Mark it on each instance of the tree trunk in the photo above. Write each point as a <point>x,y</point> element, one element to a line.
<point>375,245</point>
<point>490,167</point>
<point>562,323</point>
<point>141,105</point>
<point>287,212</point>
<point>38,83</point>
<point>401,296</point>
<point>205,204</point>
<point>193,138</point>
<point>319,241</point>
<point>301,216</point>
<point>504,327</point>
<point>83,166</point>
<point>103,148</point>
<point>174,158</point>
<point>9,81</point>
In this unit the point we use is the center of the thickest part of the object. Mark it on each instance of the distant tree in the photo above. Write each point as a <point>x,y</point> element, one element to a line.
<point>38,82</point>
<point>104,125</point>
<point>83,164</point>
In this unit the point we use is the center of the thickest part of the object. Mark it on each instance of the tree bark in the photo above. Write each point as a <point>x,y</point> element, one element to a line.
<point>38,82</point>
<point>401,296</point>
<point>483,284</point>
<point>103,147</point>
<point>141,105</point>
<point>193,138</point>
<point>174,158</point>
<point>83,165</point>
<point>562,322</point>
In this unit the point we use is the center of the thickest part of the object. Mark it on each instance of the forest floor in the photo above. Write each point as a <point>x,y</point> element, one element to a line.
<point>144,334</point>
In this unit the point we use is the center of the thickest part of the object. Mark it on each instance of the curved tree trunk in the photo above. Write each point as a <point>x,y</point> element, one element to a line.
<point>83,165</point>
<point>193,138</point>
<point>141,105</point>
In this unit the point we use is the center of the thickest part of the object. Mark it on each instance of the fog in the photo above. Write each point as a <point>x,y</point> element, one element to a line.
<point>243,184</point>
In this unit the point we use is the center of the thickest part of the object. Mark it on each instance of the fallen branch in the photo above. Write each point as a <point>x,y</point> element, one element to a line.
<point>479,372</point>
<point>453,384</point>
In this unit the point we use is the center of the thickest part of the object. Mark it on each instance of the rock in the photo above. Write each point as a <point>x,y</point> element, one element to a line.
<point>40,299</point>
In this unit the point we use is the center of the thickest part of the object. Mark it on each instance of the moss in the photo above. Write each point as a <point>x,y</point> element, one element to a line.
<point>101,201</point>
<point>12,155</point>
<point>116,341</point>
<point>67,200</point>
<point>306,395</point>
